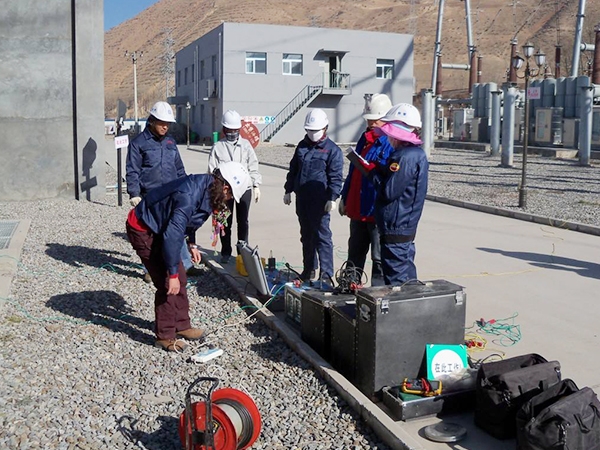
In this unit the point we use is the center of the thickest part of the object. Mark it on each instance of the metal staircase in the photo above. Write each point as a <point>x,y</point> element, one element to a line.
<point>302,98</point>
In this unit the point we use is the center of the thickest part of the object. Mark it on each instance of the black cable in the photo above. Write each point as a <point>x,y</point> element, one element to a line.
<point>350,278</point>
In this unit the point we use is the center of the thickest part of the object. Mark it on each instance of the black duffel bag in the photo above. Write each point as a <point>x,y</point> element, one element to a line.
<point>503,386</point>
<point>561,418</point>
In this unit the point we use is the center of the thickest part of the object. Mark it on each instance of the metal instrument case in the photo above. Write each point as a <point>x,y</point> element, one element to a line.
<point>394,324</point>
<point>315,325</point>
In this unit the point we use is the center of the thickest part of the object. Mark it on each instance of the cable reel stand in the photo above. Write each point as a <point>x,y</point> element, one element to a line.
<point>225,419</point>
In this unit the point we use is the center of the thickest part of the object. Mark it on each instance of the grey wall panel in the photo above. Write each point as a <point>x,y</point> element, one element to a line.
<point>89,71</point>
<point>36,96</point>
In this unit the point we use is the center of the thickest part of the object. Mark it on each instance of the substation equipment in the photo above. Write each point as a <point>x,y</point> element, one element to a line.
<point>563,111</point>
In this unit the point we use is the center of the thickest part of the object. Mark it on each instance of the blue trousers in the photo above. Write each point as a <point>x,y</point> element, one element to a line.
<point>315,235</point>
<point>398,261</point>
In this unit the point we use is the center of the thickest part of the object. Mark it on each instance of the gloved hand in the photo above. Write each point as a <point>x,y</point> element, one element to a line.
<point>330,205</point>
<point>342,208</point>
<point>134,201</point>
<point>256,194</point>
<point>287,199</point>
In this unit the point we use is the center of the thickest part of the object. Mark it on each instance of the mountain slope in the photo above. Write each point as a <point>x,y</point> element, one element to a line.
<point>494,24</point>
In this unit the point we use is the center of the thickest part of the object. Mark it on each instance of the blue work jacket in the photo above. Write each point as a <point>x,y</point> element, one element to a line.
<point>401,186</point>
<point>174,210</point>
<point>378,153</point>
<point>151,162</point>
<point>316,171</point>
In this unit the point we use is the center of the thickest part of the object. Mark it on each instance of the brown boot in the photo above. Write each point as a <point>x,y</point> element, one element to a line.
<point>171,345</point>
<point>192,334</point>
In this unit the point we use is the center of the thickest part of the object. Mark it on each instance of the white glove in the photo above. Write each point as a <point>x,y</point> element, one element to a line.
<point>134,201</point>
<point>287,199</point>
<point>256,194</point>
<point>330,205</point>
<point>342,208</point>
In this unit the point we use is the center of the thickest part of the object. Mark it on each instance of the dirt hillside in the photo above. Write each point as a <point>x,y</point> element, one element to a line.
<point>494,23</point>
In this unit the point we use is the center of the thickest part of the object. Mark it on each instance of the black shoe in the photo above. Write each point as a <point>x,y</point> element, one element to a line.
<point>307,276</point>
<point>194,271</point>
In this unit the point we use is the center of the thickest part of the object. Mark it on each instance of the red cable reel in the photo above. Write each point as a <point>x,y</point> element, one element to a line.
<point>226,419</point>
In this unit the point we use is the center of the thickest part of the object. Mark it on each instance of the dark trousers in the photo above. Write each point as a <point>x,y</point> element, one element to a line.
<point>362,236</point>
<point>398,261</point>
<point>315,235</point>
<point>242,210</point>
<point>171,312</point>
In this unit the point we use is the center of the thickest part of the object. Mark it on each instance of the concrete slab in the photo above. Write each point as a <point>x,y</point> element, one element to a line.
<point>9,259</point>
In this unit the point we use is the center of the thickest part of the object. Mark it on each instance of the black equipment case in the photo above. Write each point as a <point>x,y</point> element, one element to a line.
<point>408,406</point>
<point>343,340</point>
<point>315,322</point>
<point>394,324</point>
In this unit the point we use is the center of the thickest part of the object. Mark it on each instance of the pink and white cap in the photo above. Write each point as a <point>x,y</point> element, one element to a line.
<point>400,131</point>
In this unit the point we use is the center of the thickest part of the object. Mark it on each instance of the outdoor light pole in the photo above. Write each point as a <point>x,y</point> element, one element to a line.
<point>134,58</point>
<point>188,107</point>
<point>518,60</point>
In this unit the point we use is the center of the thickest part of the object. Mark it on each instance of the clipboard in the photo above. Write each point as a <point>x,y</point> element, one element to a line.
<point>364,166</point>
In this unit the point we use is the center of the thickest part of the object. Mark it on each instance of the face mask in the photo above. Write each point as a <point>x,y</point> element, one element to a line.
<point>233,136</point>
<point>315,135</point>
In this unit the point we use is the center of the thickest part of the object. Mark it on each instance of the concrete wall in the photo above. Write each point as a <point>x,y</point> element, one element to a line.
<point>266,94</point>
<point>52,100</point>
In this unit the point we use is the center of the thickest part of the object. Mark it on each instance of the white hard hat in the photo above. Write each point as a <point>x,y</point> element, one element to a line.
<point>237,176</point>
<point>162,111</point>
<point>232,120</point>
<point>316,119</point>
<point>376,106</point>
<point>405,113</point>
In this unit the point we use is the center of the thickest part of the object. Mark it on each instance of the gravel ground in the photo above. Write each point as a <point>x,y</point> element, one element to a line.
<point>557,188</point>
<point>79,369</point>
<point>78,364</point>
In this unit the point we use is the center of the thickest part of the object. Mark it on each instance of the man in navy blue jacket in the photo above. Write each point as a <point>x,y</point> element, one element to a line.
<point>401,185</point>
<point>156,228</point>
<point>358,193</point>
<point>315,176</point>
<point>153,160</point>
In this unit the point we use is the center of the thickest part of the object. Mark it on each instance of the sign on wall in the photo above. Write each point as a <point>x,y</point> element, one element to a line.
<point>534,93</point>
<point>265,120</point>
<point>251,133</point>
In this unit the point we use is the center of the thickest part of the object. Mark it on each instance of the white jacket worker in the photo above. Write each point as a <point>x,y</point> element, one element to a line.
<point>233,147</point>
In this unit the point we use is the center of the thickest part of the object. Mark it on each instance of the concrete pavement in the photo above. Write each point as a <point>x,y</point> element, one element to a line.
<point>544,278</point>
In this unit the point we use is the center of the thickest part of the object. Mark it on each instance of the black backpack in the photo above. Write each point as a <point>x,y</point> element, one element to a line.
<point>503,386</point>
<point>561,418</point>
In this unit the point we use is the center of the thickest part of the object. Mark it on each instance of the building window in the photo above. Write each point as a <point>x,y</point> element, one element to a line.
<point>213,63</point>
<point>385,68</point>
<point>202,70</point>
<point>193,114</point>
<point>256,62</point>
<point>178,78</point>
<point>201,113</point>
<point>292,64</point>
<point>185,78</point>
<point>193,74</point>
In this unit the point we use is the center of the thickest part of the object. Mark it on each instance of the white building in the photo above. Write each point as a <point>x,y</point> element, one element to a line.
<point>271,74</point>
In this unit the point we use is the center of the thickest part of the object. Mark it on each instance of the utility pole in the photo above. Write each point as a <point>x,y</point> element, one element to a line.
<point>134,57</point>
<point>167,58</point>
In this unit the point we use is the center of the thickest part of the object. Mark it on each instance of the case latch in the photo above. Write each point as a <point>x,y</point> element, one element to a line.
<point>385,306</point>
<point>459,297</point>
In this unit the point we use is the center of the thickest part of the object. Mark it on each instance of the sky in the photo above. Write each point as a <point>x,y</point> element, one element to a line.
<point>118,11</point>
